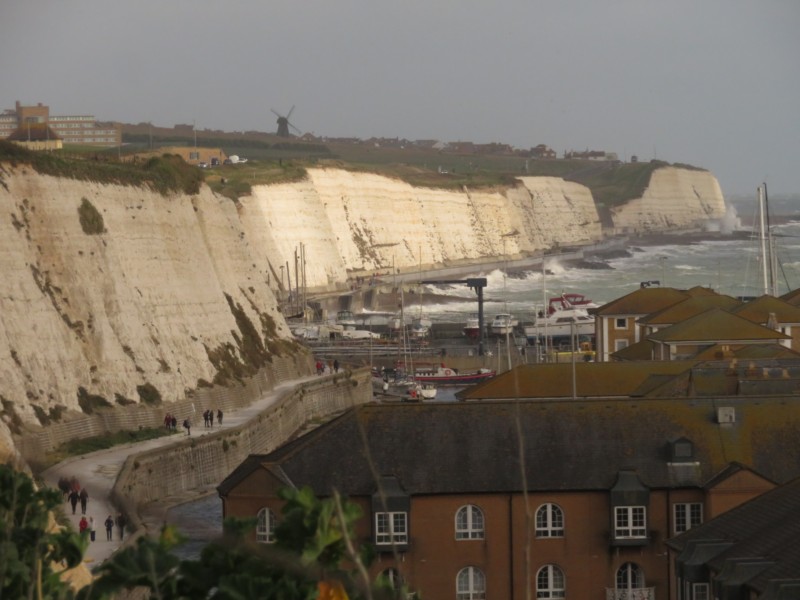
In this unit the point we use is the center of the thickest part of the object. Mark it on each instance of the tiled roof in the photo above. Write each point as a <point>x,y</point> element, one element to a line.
<point>767,528</point>
<point>759,310</point>
<point>792,297</point>
<point>716,325</point>
<point>641,302</point>
<point>474,447</point>
<point>554,380</point>
<point>688,308</point>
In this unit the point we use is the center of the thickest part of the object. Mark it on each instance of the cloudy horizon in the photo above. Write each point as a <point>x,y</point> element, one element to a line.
<point>714,83</point>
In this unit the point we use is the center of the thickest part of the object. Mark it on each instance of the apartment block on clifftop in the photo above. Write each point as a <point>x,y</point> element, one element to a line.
<point>72,129</point>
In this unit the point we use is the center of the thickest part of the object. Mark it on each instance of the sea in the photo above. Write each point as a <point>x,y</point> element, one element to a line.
<point>730,266</point>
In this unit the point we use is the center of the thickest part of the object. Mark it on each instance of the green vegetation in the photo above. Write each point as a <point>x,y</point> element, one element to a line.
<point>149,394</point>
<point>80,446</point>
<point>90,402</point>
<point>316,554</point>
<point>91,219</point>
<point>313,541</point>
<point>29,551</point>
<point>164,174</point>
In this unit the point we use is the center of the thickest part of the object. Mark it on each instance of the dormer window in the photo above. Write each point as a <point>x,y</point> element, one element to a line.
<point>681,450</point>
<point>390,509</point>
<point>629,500</point>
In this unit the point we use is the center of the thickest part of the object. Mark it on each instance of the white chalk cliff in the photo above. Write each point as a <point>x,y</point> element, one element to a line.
<point>157,297</point>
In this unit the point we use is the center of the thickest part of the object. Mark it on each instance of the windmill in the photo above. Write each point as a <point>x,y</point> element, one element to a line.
<point>284,124</point>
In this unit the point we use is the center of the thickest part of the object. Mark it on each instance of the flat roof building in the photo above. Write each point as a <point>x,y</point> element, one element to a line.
<point>72,129</point>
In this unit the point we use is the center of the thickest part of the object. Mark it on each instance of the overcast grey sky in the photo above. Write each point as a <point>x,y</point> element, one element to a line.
<point>713,83</point>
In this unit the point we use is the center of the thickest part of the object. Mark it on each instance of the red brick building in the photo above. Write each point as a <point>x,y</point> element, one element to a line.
<point>515,499</point>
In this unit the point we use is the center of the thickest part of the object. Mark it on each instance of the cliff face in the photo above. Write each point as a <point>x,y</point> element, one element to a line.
<point>362,221</point>
<point>676,198</point>
<point>170,294</point>
<point>176,291</point>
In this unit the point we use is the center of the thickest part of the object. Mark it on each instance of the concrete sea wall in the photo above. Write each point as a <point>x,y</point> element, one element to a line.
<point>201,463</point>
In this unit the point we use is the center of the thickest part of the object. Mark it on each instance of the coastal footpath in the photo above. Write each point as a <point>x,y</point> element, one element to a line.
<point>115,296</point>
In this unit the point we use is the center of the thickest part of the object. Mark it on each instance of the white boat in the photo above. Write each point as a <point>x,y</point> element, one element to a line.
<point>563,319</point>
<point>420,327</point>
<point>503,324</point>
<point>472,327</point>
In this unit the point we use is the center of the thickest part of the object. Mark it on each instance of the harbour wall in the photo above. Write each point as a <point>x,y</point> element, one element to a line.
<point>200,463</point>
<point>34,445</point>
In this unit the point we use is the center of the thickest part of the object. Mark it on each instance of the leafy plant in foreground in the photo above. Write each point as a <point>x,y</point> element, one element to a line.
<point>29,550</point>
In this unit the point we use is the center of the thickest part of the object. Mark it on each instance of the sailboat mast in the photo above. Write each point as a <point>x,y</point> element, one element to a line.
<point>769,261</point>
<point>763,240</point>
<point>773,257</point>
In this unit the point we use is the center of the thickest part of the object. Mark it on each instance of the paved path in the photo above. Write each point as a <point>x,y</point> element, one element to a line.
<point>98,471</point>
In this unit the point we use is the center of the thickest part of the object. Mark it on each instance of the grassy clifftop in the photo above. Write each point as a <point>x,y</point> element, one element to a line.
<point>164,174</point>
<point>611,183</point>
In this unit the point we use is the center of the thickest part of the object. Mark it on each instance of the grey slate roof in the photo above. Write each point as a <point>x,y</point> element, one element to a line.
<point>767,527</point>
<point>456,448</point>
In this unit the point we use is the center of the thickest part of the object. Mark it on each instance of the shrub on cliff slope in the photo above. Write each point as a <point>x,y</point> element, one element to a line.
<point>90,218</point>
<point>168,173</point>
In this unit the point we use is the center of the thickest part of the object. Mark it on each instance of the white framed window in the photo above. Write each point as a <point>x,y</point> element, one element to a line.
<point>391,528</point>
<point>620,344</point>
<point>630,522</point>
<point>550,582</point>
<point>470,584</point>
<point>630,577</point>
<point>469,523</point>
<point>265,528</point>
<point>700,591</point>
<point>549,521</point>
<point>620,323</point>
<point>687,515</point>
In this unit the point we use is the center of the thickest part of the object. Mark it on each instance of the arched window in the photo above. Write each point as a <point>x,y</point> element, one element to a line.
<point>471,584</point>
<point>550,582</point>
<point>469,523</point>
<point>630,577</point>
<point>265,529</point>
<point>549,521</point>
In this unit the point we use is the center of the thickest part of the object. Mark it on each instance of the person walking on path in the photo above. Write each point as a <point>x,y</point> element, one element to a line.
<point>219,417</point>
<point>187,425</point>
<point>91,528</point>
<point>83,525</point>
<point>121,525</point>
<point>84,497</point>
<point>73,500</point>
<point>211,417</point>
<point>109,527</point>
<point>174,423</point>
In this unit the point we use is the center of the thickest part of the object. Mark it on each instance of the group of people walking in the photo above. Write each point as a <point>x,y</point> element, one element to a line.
<point>208,417</point>
<point>73,493</point>
<point>171,421</point>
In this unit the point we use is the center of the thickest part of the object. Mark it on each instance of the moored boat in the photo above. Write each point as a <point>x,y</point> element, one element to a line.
<point>503,323</point>
<point>562,320</point>
<point>472,327</point>
<point>442,375</point>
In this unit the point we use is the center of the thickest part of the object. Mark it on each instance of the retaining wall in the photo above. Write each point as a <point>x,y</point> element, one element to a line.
<point>203,462</point>
<point>34,445</point>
